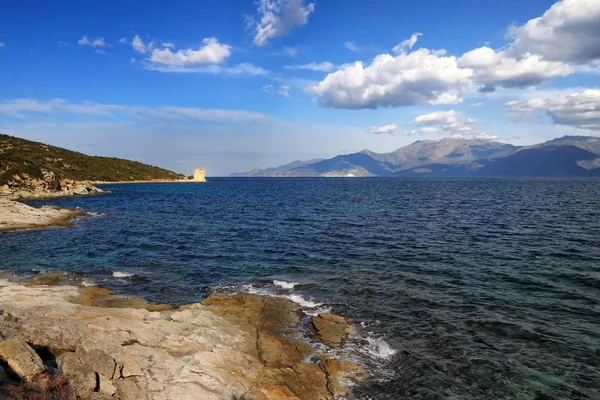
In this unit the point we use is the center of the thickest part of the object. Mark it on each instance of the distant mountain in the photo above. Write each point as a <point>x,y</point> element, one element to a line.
<point>569,156</point>
<point>22,160</point>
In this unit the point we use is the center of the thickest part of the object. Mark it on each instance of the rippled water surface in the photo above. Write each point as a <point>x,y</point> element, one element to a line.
<point>483,289</point>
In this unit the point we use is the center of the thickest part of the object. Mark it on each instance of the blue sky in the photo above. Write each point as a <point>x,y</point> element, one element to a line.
<point>233,85</point>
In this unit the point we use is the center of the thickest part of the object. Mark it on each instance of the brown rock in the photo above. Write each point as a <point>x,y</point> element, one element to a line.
<point>129,390</point>
<point>331,329</point>
<point>21,358</point>
<point>106,386</point>
<point>130,367</point>
<point>81,378</point>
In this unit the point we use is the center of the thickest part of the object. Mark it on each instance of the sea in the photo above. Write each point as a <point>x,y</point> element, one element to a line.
<point>459,288</point>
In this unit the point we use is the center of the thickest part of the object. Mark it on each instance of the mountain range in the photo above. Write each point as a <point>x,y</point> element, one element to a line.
<point>569,156</point>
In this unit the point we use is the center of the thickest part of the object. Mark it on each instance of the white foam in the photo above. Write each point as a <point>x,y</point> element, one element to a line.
<point>380,348</point>
<point>284,284</point>
<point>296,298</point>
<point>119,274</point>
<point>88,282</point>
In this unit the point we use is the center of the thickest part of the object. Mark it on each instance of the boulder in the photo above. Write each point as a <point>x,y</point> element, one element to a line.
<point>129,390</point>
<point>81,378</point>
<point>21,358</point>
<point>331,329</point>
<point>98,361</point>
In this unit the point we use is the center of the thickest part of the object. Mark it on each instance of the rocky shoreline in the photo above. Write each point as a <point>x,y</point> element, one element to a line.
<point>105,346</point>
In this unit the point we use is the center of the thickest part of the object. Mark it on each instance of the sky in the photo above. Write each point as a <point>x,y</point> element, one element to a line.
<point>230,85</point>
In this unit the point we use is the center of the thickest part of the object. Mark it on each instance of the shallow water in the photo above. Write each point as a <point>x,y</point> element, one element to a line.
<point>464,288</point>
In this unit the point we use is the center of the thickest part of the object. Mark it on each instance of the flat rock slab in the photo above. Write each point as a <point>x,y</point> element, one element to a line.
<point>241,346</point>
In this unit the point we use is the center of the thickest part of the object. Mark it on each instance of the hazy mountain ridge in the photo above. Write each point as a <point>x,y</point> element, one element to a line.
<point>577,156</point>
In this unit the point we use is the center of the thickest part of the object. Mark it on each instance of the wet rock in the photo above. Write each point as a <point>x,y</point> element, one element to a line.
<point>129,390</point>
<point>331,329</point>
<point>80,377</point>
<point>21,358</point>
<point>48,278</point>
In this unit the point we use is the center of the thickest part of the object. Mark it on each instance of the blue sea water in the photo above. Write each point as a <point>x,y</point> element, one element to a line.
<point>462,288</point>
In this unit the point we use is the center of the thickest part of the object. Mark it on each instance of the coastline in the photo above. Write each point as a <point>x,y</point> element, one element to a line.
<point>227,347</point>
<point>15,215</point>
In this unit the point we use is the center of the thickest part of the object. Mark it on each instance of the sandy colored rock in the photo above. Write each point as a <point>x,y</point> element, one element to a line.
<point>21,358</point>
<point>226,347</point>
<point>106,386</point>
<point>331,329</point>
<point>81,379</point>
<point>15,215</point>
<point>128,390</point>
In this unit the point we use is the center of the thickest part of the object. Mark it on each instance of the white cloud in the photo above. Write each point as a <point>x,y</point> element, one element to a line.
<point>168,45</point>
<point>386,129</point>
<point>123,40</point>
<point>320,67</point>
<point>284,91</point>
<point>290,51</point>
<point>478,104</point>
<point>132,60</point>
<point>100,52</point>
<point>85,41</point>
<point>210,53</point>
<point>568,31</point>
<point>21,107</point>
<point>138,45</point>
<point>235,70</point>
<point>352,47</point>
<point>277,18</point>
<point>2,44</point>
<point>419,77</point>
<point>492,68</point>
<point>448,123</point>
<point>581,109</point>
<point>62,44</point>
<point>407,44</point>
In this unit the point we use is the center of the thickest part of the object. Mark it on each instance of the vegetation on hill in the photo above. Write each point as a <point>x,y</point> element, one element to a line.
<point>26,158</point>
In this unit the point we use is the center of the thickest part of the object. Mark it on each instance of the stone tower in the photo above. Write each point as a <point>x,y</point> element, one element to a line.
<point>199,175</point>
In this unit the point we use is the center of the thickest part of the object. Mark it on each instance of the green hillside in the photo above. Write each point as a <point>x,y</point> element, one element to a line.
<point>27,158</point>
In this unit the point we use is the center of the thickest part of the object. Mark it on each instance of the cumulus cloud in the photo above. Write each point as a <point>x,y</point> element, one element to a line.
<point>448,123</point>
<point>22,107</point>
<point>138,45</point>
<point>210,53</point>
<point>386,129</point>
<point>407,44</point>
<point>420,77</point>
<point>568,31</point>
<point>123,40</point>
<point>168,45</point>
<point>496,68</point>
<point>320,67</point>
<point>581,109</point>
<point>85,41</point>
<point>277,18</point>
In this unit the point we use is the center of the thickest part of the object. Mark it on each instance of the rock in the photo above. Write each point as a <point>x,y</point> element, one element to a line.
<point>106,386</point>
<point>331,329</point>
<point>99,396</point>
<point>129,390</point>
<point>81,378</point>
<point>130,367</point>
<point>98,360</point>
<point>21,358</point>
